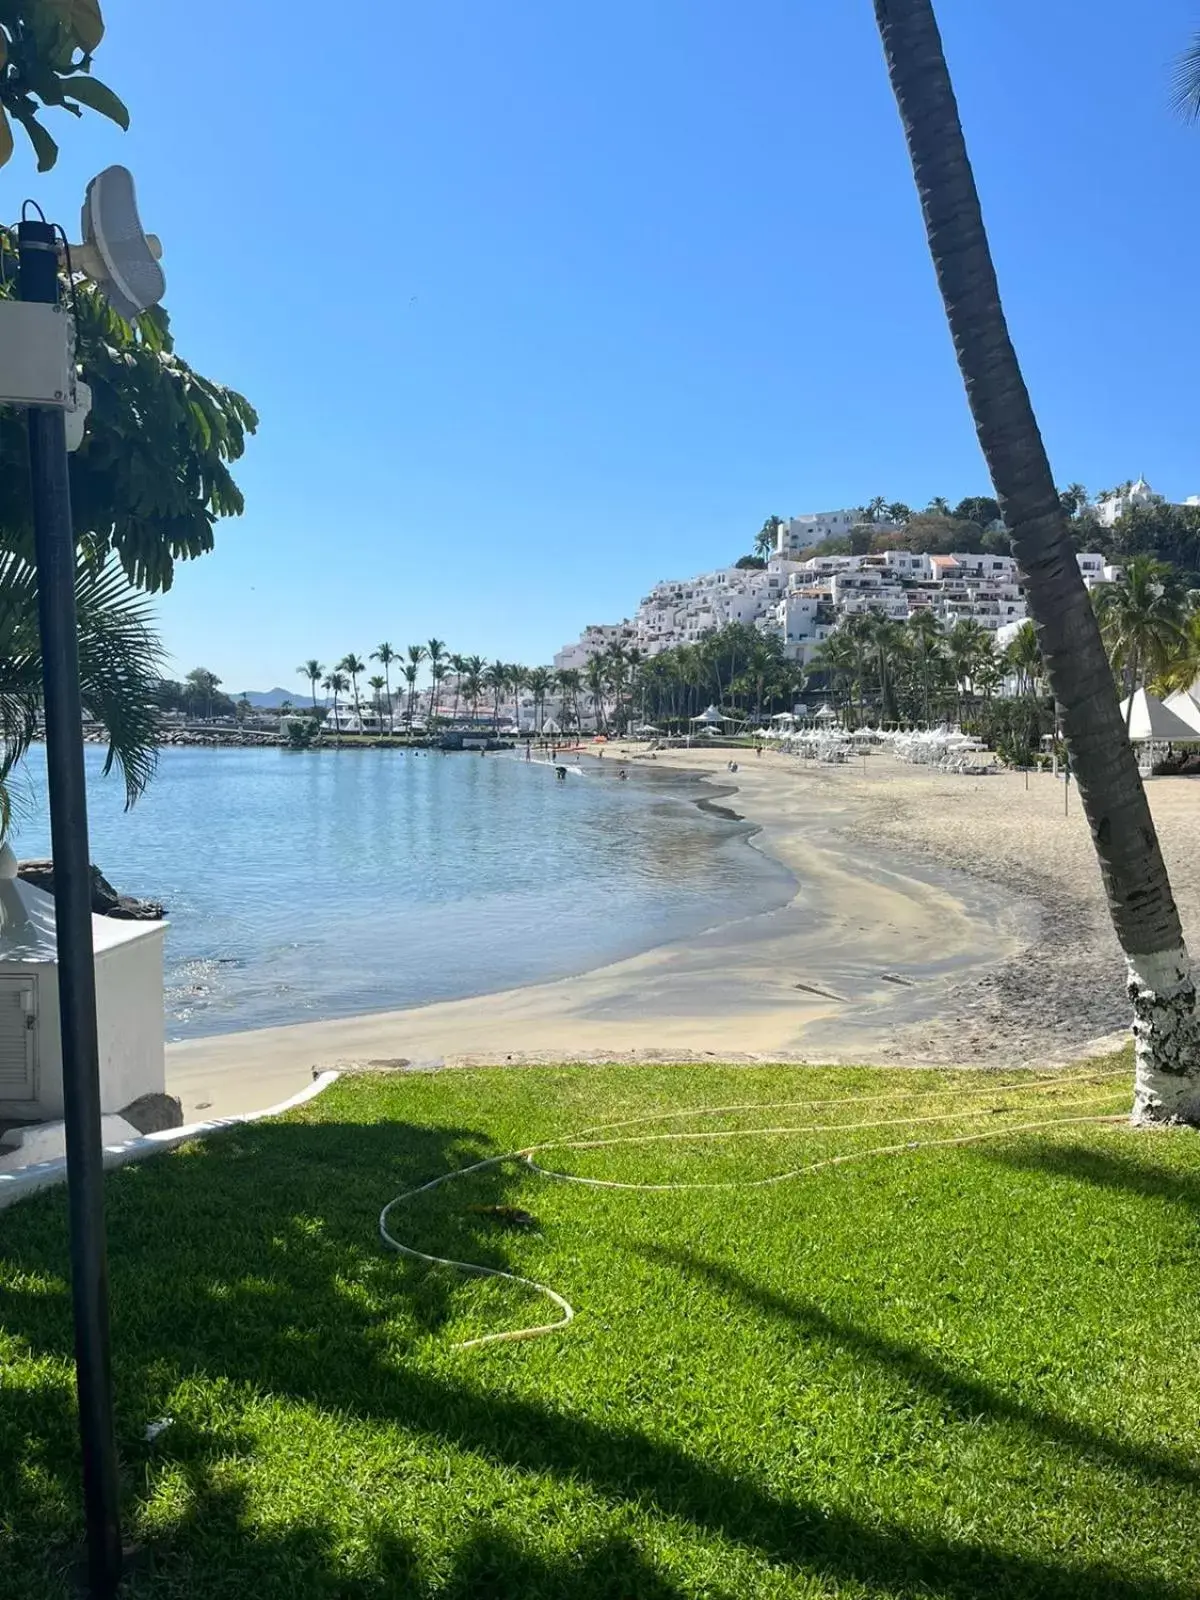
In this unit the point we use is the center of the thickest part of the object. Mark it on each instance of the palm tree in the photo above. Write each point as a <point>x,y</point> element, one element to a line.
<point>766,538</point>
<point>540,680</point>
<point>385,655</point>
<point>1184,666</point>
<point>967,644</point>
<point>1141,619</point>
<point>518,679</point>
<point>569,680</point>
<point>472,682</point>
<point>596,676</point>
<point>120,669</point>
<point>939,505</point>
<point>312,670</point>
<point>378,683</point>
<point>435,654</point>
<point>874,509</point>
<point>205,684</point>
<point>838,658</point>
<point>353,665</point>
<point>1024,657</point>
<point>458,665</point>
<point>495,678</point>
<point>1135,878</point>
<point>616,664</point>
<point>416,654</point>
<point>336,683</point>
<point>926,643</point>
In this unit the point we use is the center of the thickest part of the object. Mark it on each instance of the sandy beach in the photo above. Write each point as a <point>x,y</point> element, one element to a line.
<point>937,918</point>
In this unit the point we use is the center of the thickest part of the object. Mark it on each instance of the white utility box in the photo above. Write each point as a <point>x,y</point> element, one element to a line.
<point>37,355</point>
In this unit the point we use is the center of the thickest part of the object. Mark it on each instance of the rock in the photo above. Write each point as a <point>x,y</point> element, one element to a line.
<point>151,1113</point>
<point>106,902</point>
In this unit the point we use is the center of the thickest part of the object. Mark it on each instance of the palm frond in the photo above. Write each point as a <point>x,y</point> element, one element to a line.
<point>119,668</point>
<point>1185,82</point>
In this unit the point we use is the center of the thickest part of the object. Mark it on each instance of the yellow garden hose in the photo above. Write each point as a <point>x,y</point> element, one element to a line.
<point>584,1140</point>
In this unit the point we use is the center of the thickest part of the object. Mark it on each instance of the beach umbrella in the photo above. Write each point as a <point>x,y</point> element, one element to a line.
<point>1185,706</point>
<point>1152,720</point>
<point>711,717</point>
<point>550,726</point>
<point>647,727</point>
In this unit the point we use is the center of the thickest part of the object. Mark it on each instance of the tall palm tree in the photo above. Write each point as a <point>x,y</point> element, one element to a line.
<point>377,683</point>
<point>416,653</point>
<point>1024,658</point>
<point>495,678</point>
<point>472,685</point>
<point>336,683</point>
<point>596,676</point>
<point>838,658</point>
<point>1141,619</point>
<point>518,679</point>
<point>312,670</point>
<point>967,643</point>
<point>939,505</point>
<point>458,665</point>
<point>927,643</point>
<point>616,662</point>
<point>435,654</point>
<point>353,665</point>
<point>569,680</point>
<point>385,655</point>
<point>540,680</point>
<point>1135,878</point>
<point>767,537</point>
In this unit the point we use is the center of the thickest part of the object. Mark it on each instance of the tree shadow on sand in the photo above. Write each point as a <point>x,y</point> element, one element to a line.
<point>232,1263</point>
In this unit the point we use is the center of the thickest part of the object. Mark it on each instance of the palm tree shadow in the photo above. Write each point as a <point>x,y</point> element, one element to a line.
<point>251,1289</point>
<point>1107,1169</point>
<point>961,1394</point>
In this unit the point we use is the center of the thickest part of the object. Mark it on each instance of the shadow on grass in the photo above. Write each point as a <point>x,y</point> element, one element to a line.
<point>233,1264</point>
<point>1108,1169</point>
<point>965,1396</point>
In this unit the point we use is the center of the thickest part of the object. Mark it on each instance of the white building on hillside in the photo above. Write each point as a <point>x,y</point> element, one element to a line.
<point>595,639</point>
<point>812,527</point>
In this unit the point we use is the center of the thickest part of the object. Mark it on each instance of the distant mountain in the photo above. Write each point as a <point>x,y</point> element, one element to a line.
<point>267,699</point>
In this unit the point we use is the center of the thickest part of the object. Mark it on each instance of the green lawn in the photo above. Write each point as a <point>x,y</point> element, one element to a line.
<point>959,1370</point>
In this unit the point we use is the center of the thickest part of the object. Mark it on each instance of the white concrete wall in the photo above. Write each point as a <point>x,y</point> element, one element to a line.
<point>129,1015</point>
<point>129,1021</point>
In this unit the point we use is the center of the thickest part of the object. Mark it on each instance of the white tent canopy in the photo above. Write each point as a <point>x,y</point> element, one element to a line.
<point>1186,707</point>
<point>711,717</point>
<point>1151,719</point>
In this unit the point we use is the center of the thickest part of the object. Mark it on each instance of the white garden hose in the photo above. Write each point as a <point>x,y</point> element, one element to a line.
<point>582,1140</point>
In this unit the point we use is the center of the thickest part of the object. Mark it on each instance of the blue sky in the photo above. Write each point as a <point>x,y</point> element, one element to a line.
<point>543,302</point>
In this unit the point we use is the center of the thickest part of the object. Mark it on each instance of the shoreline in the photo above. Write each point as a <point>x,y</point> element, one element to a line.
<point>869,960</point>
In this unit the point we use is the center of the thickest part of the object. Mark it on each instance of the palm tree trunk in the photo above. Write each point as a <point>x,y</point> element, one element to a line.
<point>1133,684</point>
<point>1135,879</point>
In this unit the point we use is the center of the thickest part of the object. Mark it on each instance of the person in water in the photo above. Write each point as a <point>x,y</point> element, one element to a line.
<point>561,774</point>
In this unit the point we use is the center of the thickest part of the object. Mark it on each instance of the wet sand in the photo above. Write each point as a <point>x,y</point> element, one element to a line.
<point>920,907</point>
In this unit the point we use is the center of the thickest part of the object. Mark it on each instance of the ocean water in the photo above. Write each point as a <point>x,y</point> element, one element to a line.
<point>304,886</point>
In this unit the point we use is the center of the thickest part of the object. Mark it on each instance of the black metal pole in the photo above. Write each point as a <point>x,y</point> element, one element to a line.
<point>54,543</point>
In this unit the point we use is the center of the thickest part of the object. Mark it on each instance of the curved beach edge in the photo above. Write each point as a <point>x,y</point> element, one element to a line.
<point>28,1180</point>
